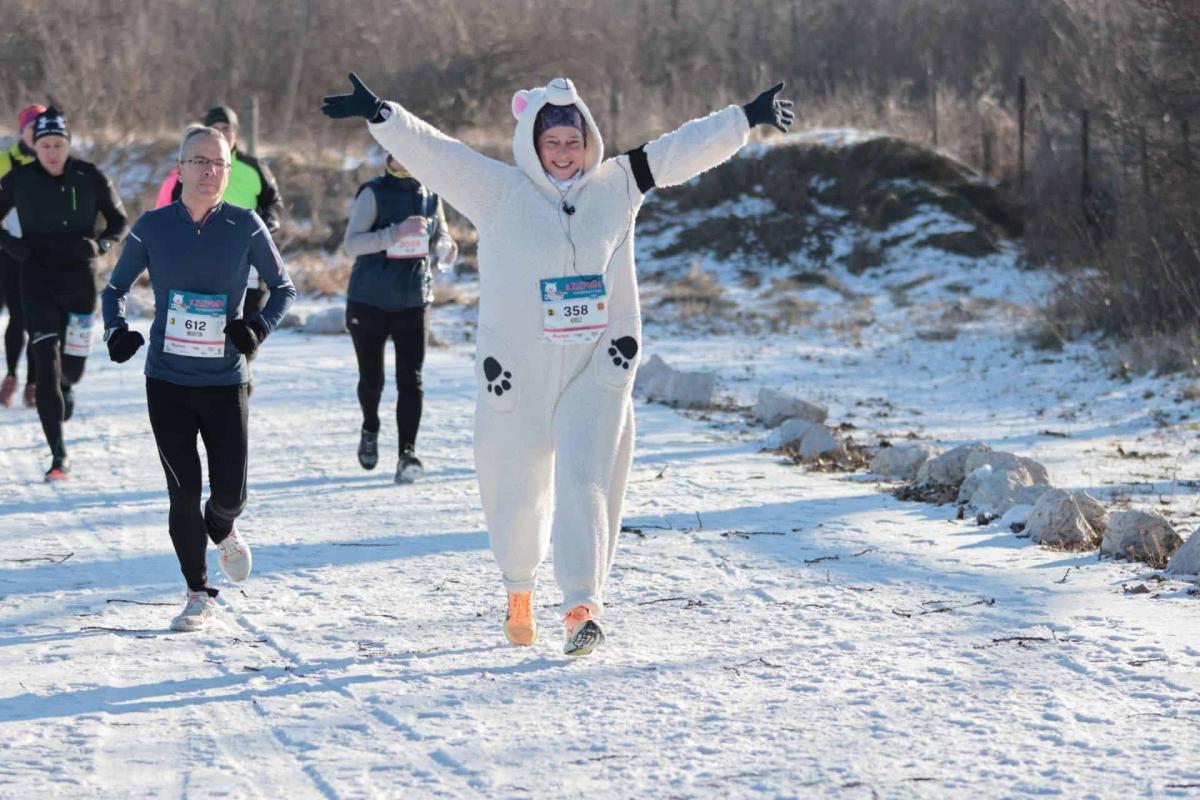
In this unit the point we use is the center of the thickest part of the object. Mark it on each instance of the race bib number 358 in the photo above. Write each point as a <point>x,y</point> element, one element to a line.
<point>574,309</point>
<point>195,325</point>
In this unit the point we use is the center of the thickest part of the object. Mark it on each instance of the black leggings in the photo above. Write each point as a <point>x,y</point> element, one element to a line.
<point>14,332</point>
<point>47,298</point>
<point>53,373</point>
<point>219,415</point>
<point>370,328</point>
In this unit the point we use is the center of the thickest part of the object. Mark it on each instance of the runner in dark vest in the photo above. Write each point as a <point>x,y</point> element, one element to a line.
<point>397,231</point>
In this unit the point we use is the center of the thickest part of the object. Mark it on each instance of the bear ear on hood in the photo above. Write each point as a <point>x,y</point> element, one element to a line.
<point>520,103</point>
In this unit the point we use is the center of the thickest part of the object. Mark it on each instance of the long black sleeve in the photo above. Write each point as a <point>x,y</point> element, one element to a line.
<point>11,244</point>
<point>270,204</point>
<point>108,202</point>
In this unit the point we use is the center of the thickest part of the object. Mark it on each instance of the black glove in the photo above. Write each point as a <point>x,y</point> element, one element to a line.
<point>766,110</point>
<point>17,248</point>
<point>363,103</point>
<point>123,343</point>
<point>246,336</point>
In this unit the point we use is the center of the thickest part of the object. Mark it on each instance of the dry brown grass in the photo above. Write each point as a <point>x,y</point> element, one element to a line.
<point>319,273</point>
<point>695,296</point>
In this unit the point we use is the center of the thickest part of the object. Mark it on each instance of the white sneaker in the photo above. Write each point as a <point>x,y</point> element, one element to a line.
<point>234,557</point>
<point>196,614</point>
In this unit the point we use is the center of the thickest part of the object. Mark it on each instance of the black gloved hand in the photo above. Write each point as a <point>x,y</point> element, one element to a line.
<point>123,343</point>
<point>15,247</point>
<point>362,103</point>
<point>766,110</point>
<point>246,336</point>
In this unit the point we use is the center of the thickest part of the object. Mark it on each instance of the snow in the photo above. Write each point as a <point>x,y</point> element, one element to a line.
<point>772,631</point>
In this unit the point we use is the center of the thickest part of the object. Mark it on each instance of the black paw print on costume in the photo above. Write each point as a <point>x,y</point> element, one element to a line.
<point>492,371</point>
<point>623,350</point>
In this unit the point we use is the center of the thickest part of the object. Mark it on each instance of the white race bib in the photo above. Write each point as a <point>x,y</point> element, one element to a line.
<point>574,309</point>
<point>79,335</point>
<point>410,247</point>
<point>195,325</point>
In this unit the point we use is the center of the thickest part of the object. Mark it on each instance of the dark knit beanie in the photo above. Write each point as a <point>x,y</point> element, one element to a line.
<point>221,114</point>
<point>50,122</point>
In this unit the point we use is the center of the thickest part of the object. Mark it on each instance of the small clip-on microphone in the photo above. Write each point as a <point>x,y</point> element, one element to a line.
<point>568,208</point>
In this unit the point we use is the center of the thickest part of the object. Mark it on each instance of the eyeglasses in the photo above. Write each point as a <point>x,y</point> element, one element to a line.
<point>207,163</point>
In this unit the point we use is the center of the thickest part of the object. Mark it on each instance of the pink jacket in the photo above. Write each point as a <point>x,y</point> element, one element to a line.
<point>167,189</point>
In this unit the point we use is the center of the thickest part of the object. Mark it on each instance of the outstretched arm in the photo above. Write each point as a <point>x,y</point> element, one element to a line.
<point>469,181</point>
<point>702,144</point>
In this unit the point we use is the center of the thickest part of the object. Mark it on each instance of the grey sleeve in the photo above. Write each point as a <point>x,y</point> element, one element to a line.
<point>359,238</point>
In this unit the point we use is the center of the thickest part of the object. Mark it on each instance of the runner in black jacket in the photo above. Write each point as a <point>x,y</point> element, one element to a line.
<point>58,199</point>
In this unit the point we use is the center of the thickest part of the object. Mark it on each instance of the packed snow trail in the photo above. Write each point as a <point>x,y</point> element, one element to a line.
<point>772,632</point>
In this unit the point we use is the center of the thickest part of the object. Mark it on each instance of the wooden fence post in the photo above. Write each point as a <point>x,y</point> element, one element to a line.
<point>1085,186</point>
<point>1145,159</point>
<point>252,134</point>
<point>933,106</point>
<point>1021,135</point>
<point>1185,134</point>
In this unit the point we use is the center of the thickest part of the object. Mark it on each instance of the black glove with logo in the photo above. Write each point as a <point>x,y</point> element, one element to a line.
<point>362,103</point>
<point>123,343</point>
<point>766,110</point>
<point>246,336</point>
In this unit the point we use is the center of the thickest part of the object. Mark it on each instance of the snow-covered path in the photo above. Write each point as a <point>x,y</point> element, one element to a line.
<point>773,632</point>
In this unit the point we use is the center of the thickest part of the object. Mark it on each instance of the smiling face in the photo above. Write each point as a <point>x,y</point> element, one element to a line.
<point>52,152</point>
<point>561,150</point>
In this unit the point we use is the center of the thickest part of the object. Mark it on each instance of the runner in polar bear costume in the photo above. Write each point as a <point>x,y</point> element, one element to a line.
<point>554,418</point>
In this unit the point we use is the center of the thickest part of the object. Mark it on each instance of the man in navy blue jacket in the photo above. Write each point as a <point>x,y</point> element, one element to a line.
<point>199,251</point>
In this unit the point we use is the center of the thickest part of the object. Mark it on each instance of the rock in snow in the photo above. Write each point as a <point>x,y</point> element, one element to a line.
<point>1186,560</point>
<point>949,469</point>
<point>902,461</point>
<point>1000,460</point>
<point>327,321</point>
<point>1065,520</point>
<point>774,407</point>
<point>658,381</point>
<point>1140,536</point>
<point>995,491</point>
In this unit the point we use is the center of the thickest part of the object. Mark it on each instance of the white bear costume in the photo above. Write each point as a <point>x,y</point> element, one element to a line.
<point>554,422</point>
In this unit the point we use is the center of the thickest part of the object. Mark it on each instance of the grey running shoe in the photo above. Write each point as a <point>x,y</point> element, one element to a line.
<point>197,614</point>
<point>368,449</point>
<point>409,468</point>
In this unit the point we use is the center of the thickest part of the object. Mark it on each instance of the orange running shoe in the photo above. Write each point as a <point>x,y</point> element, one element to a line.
<point>60,469</point>
<point>583,632</point>
<point>519,625</point>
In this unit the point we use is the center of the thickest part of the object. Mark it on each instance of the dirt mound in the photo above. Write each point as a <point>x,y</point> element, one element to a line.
<point>831,198</point>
